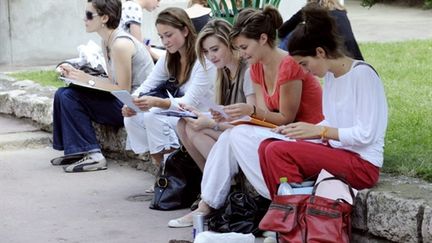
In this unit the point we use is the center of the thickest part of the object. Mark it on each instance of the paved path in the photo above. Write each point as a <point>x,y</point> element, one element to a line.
<point>383,23</point>
<point>40,203</point>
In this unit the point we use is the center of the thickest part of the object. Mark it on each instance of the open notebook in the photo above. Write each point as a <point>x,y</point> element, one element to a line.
<point>252,121</point>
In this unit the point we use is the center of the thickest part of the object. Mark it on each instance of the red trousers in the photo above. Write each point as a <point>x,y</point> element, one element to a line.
<point>303,160</point>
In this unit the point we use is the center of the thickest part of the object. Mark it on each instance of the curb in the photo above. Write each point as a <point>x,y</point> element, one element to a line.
<point>399,209</point>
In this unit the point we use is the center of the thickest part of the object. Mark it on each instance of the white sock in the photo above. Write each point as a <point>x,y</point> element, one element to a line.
<point>97,156</point>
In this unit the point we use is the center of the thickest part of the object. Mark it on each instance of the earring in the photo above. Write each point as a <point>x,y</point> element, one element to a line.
<point>103,25</point>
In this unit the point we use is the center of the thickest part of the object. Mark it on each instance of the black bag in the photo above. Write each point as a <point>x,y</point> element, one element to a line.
<point>87,68</point>
<point>241,213</point>
<point>160,91</point>
<point>178,182</point>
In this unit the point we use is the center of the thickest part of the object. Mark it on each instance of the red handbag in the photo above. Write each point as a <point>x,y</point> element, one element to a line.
<point>309,218</point>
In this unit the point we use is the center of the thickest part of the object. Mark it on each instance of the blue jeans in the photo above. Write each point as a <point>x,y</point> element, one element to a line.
<point>74,111</point>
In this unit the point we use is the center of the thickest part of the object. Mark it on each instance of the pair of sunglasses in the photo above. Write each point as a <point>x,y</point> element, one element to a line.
<point>89,15</point>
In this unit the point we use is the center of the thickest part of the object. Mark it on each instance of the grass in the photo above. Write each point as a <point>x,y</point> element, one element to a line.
<point>45,78</point>
<point>406,72</point>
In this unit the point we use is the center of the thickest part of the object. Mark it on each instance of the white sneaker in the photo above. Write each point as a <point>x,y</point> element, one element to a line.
<point>87,164</point>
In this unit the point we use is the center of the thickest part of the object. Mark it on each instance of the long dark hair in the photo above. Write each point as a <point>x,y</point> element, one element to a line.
<point>111,8</point>
<point>178,18</point>
<point>317,30</point>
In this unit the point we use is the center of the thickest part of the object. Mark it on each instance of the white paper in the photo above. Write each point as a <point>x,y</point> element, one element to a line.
<point>174,102</point>
<point>211,105</point>
<point>333,189</point>
<point>126,98</point>
<point>268,133</point>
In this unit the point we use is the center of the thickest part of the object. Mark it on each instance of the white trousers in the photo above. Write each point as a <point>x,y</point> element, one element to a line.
<point>235,147</point>
<point>150,132</point>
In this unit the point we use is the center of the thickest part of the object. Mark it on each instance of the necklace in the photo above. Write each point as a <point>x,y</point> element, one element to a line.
<point>107,44</point>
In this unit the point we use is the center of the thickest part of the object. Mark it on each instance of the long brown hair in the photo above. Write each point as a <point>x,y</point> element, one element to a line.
<point>178,18</point>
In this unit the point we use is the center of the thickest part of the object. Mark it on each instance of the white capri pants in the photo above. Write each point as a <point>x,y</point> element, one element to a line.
<point>235,147</point>
<point>151,132</point>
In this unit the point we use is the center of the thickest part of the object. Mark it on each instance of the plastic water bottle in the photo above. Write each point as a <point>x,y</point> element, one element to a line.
<point>284,187</point>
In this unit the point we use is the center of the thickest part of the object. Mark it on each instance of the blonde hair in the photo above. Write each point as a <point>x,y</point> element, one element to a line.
<point>220,29</point>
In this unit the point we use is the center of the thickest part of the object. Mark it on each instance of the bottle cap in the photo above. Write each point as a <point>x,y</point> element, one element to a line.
<point>283,179</point>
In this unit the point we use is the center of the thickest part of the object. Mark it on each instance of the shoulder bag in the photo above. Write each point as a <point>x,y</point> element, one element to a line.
<point>309,218</point>
<point>178,182</point>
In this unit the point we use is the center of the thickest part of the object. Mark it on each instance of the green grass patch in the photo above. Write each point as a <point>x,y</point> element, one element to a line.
<point>405,68</point>
<point>44,78</point>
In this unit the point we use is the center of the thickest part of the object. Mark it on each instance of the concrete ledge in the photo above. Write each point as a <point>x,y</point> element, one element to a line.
<point>27,99</point>
<point>399,209</point>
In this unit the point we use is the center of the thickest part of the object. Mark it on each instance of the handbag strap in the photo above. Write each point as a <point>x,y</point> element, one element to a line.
<point>338,179</point>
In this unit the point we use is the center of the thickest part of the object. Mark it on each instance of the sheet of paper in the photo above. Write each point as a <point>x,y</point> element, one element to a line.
<point>333,189</point>
<point>268,133</point>
<point>174,102</point>
<point>126,98</point>
<point>211,105</point>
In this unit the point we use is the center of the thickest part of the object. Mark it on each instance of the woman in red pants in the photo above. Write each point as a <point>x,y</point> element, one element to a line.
<point>349,141</point>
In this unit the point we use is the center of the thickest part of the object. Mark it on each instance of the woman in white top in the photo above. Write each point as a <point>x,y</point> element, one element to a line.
<point>156,133</point>
<point>349,141</point>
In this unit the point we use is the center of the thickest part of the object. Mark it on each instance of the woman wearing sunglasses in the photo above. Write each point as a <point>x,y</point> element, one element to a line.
<point>128,64</point>
<point>150,132</point>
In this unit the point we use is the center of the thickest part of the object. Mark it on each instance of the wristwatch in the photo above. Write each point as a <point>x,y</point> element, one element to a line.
<point>91,83</point>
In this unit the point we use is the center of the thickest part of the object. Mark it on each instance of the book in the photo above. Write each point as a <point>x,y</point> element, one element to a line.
<point>252,121</point>
<point>126,98</point>
<point>74,83</point>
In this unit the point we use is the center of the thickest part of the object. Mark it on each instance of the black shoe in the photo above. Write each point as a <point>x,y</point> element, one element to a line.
<point>67,159</point>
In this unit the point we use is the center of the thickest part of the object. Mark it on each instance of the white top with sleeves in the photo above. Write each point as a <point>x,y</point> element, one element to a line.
<point>200,83</point>
<point>356,104</point>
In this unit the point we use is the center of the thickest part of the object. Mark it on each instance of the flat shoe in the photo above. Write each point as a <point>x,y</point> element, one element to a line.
<point>67,159</point>
<point>150,190</point>
<point>179,223</point>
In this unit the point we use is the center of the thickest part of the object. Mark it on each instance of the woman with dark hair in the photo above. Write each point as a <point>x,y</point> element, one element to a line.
<point>284,94</point>
<point>148,131</point>
<point>349,141</point>
<point>128,64</point>
<point>343,26</point>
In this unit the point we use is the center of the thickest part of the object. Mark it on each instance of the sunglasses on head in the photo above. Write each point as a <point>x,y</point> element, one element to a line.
<point>89,15</point>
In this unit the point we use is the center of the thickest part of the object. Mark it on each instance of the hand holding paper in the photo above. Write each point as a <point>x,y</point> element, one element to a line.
<point>213,106</point>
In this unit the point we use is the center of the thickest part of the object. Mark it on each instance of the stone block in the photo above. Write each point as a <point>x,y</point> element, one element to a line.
<point>359,215</point>
<point>393,217</point>
<point>426,228</point>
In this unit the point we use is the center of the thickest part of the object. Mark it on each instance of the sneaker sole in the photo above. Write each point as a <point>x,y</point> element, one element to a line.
<point>81,168</point>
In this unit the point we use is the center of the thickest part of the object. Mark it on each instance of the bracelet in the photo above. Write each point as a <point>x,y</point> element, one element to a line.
<point>254,111</point>
<point>323,133</point>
